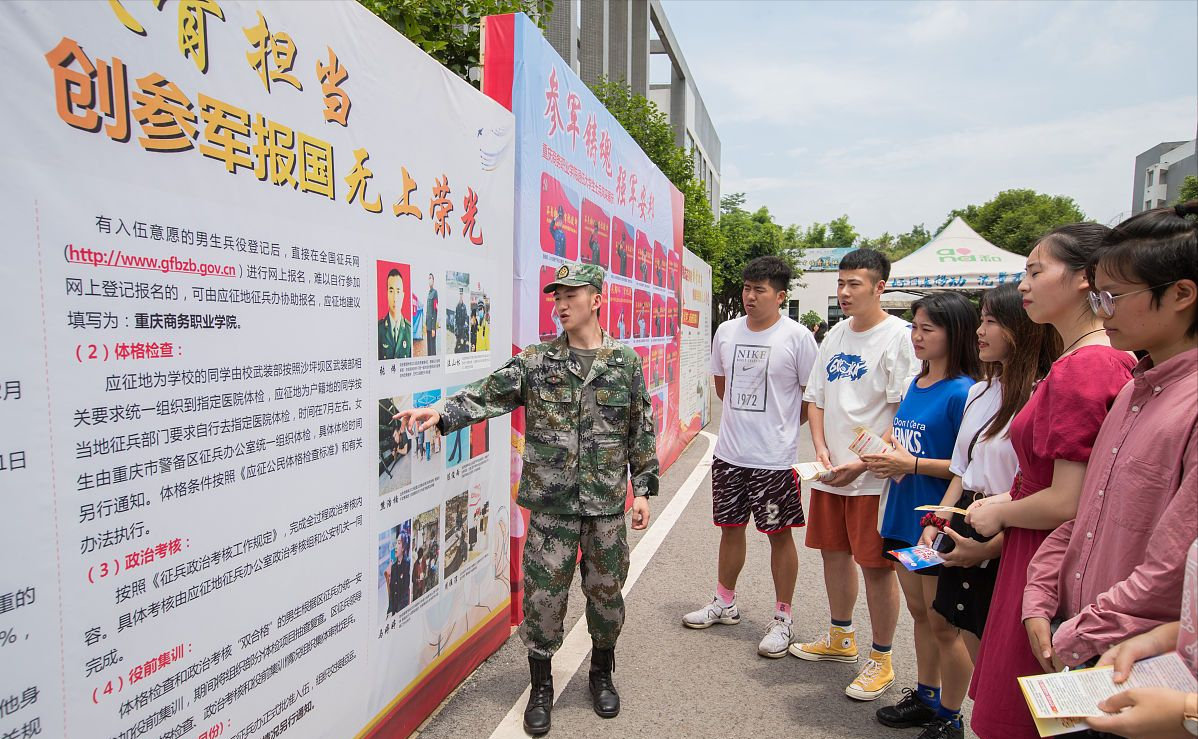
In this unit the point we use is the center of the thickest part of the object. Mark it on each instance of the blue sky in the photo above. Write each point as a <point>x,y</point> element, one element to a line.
<point>894,113</point>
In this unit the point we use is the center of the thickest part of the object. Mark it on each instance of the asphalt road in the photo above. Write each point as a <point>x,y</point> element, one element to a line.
<point>678,682</point>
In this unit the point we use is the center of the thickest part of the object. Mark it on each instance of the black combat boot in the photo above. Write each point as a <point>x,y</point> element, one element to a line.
<point>540,697</point>
<point>603,692</point>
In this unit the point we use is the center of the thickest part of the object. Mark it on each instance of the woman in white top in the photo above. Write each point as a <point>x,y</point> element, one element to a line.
<point>1016,354</point>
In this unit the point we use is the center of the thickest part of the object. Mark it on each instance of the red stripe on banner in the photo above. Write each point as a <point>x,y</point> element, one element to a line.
<point>498,57</point>
<point>406,714</point>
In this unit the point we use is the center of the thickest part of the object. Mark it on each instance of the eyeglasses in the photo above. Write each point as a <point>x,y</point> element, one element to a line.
<point>1103,303</point>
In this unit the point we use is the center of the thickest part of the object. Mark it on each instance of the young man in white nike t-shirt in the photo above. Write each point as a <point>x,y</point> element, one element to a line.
<point>760,362</point>
<point>865,365</point>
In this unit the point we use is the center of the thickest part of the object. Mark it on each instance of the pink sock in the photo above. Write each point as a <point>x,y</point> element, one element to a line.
<point>728,597</point>
<point>783,608</point>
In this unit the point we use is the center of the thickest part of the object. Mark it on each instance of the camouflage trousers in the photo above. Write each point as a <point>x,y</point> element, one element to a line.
<point>549,556</point>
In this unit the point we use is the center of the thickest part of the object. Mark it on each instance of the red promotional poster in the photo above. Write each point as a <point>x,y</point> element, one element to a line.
<point>659,316</point>
<point>642,307</point>
<point>674,274</point>
<point>619,311</point>
<point>657,358</point>
<point>596,234</point>
<point>559,219</point>
<point>643,353</point>
<point>659,264</point>
<point>623,248</point>
<point>644,258</point>
<point>394,314</point>
<point>672,327</point>
<point>549,325</point>
<point>672,365</point>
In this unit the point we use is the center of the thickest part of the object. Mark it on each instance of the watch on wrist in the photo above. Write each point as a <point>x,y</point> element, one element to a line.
<point>1190,714</point>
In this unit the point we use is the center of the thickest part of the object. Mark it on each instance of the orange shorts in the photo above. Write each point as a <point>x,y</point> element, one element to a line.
<point>846,523</point>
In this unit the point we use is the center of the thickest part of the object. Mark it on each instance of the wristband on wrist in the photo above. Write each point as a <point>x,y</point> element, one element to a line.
<point>917,465</point>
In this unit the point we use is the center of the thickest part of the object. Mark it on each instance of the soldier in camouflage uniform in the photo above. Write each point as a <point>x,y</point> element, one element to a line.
<point>589,422</point>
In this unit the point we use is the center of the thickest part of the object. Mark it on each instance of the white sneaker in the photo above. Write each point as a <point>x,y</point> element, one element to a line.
<point>777,639</point>
<point>714,612</point>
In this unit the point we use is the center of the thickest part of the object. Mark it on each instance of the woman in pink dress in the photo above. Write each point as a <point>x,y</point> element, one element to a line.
<point>1052,437</point>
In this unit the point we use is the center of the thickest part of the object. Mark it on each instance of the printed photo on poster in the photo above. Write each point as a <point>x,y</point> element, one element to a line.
<point>659,316</point>
<point>427,444</point>
<point>674,273</point>
<point>480,439</point>
<point>659,407</point>
<point>395,570</point>
<point>480,520</point>
<point>618,310</point>
<point>550,325</point>
<point>457,510</point>
<point>657,358</point>
<point>426,332</point>
<point>659,264</point>
<point>468,321</point>
<point>457,443</point>
<point>426,552</point>
<point>623,248</point>
<point>642,308</point>
<point>672,360</point>
<point>559,219</point>
<point>672,327</point>
<point>644,258</point>
<point>394,311</point>
<point>480,318</point>
<point>395,445</point>
<point>596,234</point>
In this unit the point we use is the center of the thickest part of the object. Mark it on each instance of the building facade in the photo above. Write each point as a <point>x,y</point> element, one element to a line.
<point>620,40</point>
<point>1160,172</point>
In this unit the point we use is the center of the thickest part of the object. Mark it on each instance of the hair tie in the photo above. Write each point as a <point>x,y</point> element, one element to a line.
<point>1180,210</point>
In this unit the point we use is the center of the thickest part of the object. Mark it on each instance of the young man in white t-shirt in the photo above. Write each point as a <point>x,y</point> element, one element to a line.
<point>865,364</point>
<point>760,362</point>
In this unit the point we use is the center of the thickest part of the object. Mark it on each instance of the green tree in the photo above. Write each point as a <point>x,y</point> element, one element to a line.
<point>650,129</point>
<point>897,247</point>
<point>746,237</point>
<point>1188,190</point>
<point>448,30</point>
<point>1015,219</point>
<point>810,319</point>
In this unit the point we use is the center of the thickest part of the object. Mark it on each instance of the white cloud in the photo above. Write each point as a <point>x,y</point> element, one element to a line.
<point>936,21</point>
<point>1110,32</point>
<point>895,113</point>
<point>890,185</point>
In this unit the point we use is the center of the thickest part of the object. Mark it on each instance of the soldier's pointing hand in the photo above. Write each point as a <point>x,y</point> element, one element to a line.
<point>418,419</point>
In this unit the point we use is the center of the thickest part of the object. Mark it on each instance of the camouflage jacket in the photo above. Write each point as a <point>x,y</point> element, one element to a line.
<point>582,434</point>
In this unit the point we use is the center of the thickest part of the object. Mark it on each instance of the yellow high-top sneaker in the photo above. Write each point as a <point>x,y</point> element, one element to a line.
<point>874,678</point>
<point>837,645</point>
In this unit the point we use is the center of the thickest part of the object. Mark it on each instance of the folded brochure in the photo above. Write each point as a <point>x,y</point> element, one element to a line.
<point>917,557</point>
<point>867,442</point>
<point>1060,701</point>
<point>811,470</point>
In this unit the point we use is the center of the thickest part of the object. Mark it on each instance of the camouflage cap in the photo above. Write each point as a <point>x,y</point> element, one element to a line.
<point>575,274</point>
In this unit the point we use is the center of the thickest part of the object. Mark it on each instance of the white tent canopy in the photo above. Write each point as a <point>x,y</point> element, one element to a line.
<point>957,259</point>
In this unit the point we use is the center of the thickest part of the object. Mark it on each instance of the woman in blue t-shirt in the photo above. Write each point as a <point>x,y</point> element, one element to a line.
<point>944,334</point>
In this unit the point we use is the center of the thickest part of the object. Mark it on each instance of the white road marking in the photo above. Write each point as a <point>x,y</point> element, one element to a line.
<point>578,642</point>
